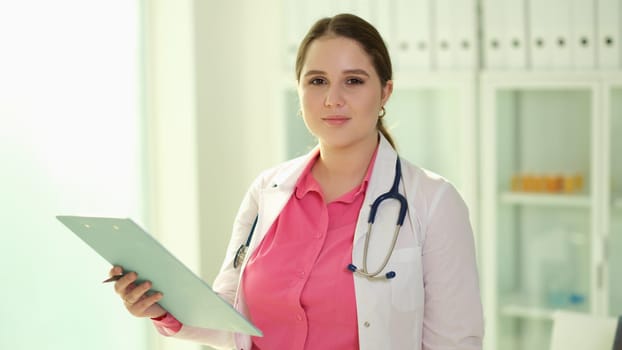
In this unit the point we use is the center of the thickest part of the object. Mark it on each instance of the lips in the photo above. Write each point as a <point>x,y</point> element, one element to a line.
<point>335,120</point>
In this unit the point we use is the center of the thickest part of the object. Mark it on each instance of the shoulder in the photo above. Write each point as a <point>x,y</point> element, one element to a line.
<point>425,180</point>
<point>428,189</point>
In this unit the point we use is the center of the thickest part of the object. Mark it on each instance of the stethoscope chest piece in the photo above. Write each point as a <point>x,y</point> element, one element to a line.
<point>239,256</point>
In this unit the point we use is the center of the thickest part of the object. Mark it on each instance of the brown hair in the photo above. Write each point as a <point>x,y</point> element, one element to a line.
<point>355,28</point>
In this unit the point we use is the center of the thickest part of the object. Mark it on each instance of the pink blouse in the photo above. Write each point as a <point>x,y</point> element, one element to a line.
<point>297,287</point>
<point>296,284</point>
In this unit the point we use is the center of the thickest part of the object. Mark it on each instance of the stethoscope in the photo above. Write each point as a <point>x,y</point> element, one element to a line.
<point>393,193</point>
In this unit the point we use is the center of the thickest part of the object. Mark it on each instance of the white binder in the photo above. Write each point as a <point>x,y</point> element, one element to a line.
<point>317,9</point>
<point>515,40</point>
<point>493,23</point>
<point>541,20</point>
<point>444,45</point>
<point>465,44</point>
<point>364,9</point>
<point>413,34</point>
<point>608,41</point>
<point>559,33</point>
<point>505,35</point>
<point>341,6</point>
<point>294,23</point>
<point>582,34</point>
<point>384,22</point>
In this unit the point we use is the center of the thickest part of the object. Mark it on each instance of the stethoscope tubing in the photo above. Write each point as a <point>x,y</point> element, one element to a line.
<point>393,193</point>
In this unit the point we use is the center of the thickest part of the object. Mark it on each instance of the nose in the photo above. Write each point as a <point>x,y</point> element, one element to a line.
<point>334,97</point>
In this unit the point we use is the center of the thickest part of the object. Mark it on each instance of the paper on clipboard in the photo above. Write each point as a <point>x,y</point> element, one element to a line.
<point>192,301</point>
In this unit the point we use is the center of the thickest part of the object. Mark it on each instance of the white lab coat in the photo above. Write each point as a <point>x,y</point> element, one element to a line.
<point>433,303</point>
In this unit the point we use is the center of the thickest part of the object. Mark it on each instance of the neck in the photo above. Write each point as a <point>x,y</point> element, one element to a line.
<point>339,170</point>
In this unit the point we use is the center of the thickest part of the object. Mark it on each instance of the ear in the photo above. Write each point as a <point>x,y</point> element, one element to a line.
<point>387,90</point>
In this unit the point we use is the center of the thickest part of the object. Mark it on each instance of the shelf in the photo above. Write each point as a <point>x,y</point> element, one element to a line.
<point>517,310</point>
<point>565,200</point>
<point>532,313</point>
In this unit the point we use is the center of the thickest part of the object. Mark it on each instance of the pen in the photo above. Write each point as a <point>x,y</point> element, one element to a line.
<point>113,278</point>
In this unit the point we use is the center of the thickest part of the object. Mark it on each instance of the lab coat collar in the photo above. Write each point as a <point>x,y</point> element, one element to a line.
<point>280,188</point>
<point>286,180</point>
<point>380,182</point>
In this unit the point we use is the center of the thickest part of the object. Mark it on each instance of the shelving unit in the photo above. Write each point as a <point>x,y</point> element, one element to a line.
<point>538,247</point>
<point>612,182</point>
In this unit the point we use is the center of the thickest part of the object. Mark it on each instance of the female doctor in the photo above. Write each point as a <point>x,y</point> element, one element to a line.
<point>314,275</point>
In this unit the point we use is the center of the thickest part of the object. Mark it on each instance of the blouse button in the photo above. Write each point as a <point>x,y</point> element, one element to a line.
<point>366,324</point>
<point>299,317</point>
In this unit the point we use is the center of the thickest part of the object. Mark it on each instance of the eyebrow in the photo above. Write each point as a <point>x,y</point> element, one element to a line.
<point>347,71</point>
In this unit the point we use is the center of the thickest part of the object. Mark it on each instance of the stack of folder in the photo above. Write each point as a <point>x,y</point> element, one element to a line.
<point>422,35</point>
<point>551,34</point>
<point>431,35</point>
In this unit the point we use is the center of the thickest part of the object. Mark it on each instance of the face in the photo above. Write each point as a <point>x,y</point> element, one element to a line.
<point>340,92</point>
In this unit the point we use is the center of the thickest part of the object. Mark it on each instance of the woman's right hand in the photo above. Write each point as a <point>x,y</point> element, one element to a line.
<point>136,297</point>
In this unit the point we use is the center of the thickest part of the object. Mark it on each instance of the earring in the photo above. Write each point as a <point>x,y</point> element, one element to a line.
<point>382,112</point>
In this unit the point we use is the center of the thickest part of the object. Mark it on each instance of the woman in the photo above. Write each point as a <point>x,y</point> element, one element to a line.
<point>303,281</point>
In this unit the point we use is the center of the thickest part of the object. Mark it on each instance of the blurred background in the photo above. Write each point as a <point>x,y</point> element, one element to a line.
<point>165,111</point>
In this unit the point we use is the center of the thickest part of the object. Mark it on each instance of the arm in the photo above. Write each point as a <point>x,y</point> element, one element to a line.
<point>141,303</point>
<point>453,312</point>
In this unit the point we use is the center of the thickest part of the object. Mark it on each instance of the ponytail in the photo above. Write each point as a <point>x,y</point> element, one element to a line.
<point>385,132</point>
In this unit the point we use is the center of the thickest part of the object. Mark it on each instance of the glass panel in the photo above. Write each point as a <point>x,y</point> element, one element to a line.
<point>423,122</point>
<point>543,142</point>
<point>426,125</point>
<point>544,134</point>
<point>615,240</point>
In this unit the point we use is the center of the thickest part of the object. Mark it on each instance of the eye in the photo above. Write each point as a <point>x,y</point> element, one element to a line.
<point>317,81</point>
<point>354,81</point>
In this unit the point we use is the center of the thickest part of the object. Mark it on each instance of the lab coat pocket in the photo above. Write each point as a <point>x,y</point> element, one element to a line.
<point>407,286</point>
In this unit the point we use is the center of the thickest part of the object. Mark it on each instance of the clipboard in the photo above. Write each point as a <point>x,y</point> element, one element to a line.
<point>190,299</point>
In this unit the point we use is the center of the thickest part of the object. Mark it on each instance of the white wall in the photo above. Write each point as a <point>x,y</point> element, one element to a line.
<point>238,123</point>
<point>170,109</point>
<point>70,143</point>
<point>212,71</point>
<point>76,79</point>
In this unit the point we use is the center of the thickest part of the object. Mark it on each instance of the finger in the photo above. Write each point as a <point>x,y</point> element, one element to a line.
<point>147,301</point>
<point>114,274</point>
<point>137,293</point>
<point>115,271</point>
<point>121,286</point>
